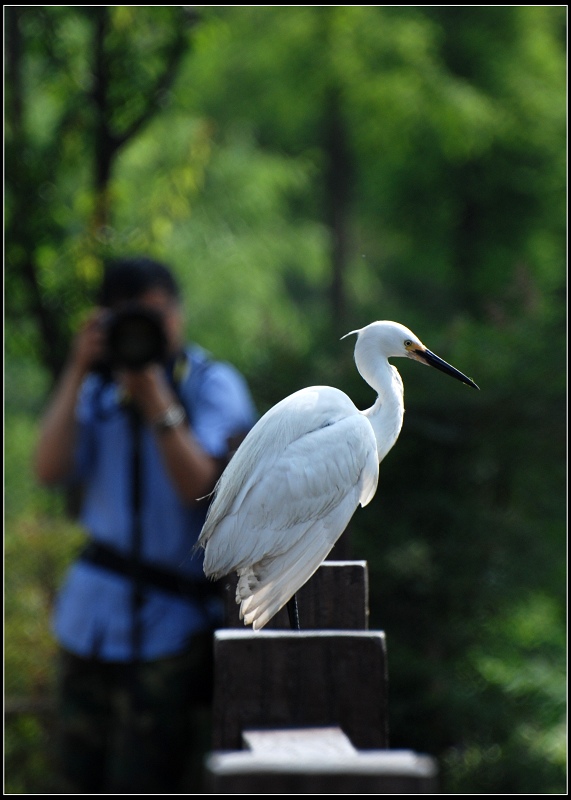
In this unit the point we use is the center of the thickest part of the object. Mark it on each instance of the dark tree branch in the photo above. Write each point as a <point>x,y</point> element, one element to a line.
<point>107,142</point>
<point>23,265</point>
<point>162,86</point>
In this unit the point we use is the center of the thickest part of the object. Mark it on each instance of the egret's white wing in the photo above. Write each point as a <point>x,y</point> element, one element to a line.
<point>290,419</point>
<point>306,457</point>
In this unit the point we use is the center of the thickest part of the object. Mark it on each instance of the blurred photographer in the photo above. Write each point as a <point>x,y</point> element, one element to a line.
<point>146,425</point>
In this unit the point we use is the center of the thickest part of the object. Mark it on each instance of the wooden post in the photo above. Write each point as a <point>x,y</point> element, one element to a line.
<point>295,678</point>
<point>305,712</point>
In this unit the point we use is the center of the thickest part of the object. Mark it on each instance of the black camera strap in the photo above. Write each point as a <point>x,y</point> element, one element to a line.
<point>101,555</point>
<point>137,594</point>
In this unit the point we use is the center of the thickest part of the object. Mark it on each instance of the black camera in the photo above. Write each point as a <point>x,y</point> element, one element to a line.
<point>135,337</point>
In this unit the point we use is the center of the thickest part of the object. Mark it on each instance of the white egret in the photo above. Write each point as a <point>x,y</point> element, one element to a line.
<point>296,480</point>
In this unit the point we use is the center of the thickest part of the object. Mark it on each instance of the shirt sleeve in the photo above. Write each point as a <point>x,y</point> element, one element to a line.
<point>221,408</point>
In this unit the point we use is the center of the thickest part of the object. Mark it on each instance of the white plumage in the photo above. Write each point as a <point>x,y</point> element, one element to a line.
<point>296,480</point>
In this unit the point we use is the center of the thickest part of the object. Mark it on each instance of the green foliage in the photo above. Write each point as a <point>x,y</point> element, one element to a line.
<point>454,120</point>
<point>517,665</point>
<point>39,543</point>
<point>224,215</point>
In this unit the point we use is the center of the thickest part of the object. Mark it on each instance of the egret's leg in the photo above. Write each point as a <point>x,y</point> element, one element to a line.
<point>293,613</point>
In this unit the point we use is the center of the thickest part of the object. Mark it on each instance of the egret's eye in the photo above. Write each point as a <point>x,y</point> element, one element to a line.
<point>407,343</point>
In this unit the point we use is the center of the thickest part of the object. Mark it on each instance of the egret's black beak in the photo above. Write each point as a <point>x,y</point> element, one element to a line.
<point>435,361</point>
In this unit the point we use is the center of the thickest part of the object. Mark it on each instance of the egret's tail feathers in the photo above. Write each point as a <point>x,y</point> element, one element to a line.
<point>263,590</point>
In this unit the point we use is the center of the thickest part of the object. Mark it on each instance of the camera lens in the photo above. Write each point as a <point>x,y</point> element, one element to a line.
<point>136,338</point>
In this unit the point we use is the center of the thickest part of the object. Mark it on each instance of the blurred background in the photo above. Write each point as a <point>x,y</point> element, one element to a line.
<point>306,170</point>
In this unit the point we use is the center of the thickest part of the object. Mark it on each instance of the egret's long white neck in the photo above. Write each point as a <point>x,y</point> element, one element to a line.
<point>386,415</point>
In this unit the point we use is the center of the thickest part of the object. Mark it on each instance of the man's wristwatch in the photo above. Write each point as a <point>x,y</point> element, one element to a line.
<point>173,416</point>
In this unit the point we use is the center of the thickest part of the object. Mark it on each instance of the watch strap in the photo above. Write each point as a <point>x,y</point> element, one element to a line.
<point>174,415</point>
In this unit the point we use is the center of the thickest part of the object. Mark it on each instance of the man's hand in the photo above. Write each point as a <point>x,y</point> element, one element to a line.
<point>149,390</point>
<point>89,344</point>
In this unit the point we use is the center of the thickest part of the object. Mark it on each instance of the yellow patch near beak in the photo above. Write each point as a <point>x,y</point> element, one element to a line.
<point>416,353</point>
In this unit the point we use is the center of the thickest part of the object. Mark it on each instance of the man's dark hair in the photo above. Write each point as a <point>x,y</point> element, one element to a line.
<point>128,278</point>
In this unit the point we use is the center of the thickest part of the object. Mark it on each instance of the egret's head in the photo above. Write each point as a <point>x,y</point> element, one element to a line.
<point>388,339</point>
<point>391,340</point>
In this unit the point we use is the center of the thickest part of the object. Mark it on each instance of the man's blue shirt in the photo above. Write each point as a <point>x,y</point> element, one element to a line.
<point>94,616</point>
